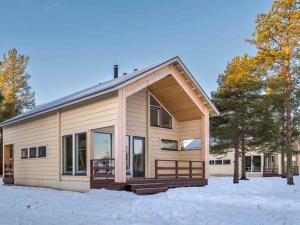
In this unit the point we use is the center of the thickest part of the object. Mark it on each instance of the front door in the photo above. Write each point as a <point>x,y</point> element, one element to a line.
<point>138,157</point>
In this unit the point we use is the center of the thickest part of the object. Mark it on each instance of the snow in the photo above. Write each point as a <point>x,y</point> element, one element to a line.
<point>257,201</point>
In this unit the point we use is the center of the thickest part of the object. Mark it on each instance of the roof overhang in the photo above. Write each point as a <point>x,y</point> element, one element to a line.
<point>111,87</point>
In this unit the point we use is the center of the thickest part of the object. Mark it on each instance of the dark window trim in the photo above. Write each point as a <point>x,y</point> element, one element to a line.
<point>129,156</point>
<point>39,155</point>
<point>24,149</point>
<point>32,148</point>
<point>169,149</point>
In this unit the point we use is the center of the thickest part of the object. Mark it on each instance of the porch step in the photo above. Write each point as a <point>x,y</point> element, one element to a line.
<point>149,191</point>
<point>133,186</point>
<point>146,188</point>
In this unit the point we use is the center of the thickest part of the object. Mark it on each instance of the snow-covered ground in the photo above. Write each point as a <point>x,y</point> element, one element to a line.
<point>257,201</point>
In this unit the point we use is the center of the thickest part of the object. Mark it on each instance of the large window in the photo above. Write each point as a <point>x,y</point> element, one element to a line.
<point>256,163</point>
<point>169,145</point>
<point>80,153</point>
<point>248,163</point>
<point>103,149</point>
<point>158,115</point>
<point>74,154</point>
<point>67,154</point>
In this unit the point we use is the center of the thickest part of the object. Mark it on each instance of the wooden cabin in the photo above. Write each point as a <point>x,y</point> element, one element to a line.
<point>145,131</point>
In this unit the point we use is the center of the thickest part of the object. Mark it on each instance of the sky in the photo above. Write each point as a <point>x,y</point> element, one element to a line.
<point>73,45</point>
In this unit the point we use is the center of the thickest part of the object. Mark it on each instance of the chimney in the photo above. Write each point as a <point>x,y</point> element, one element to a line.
<point>116,71</point>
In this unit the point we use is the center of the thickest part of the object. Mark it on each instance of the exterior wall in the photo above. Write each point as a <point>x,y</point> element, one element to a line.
<point>138,125</point>
<point>227,170</point>
<point>47,131</point>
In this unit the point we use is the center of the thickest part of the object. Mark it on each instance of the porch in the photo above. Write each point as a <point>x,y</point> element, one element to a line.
<point>168,174</point>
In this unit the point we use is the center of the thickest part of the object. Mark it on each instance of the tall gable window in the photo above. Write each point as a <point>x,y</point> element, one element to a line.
<point>158,115</point>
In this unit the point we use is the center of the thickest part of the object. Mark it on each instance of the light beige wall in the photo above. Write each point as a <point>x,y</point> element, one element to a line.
<point>97,113</point>
<point>227,170</point>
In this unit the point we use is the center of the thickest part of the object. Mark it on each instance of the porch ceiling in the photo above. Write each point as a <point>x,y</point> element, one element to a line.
<point>174,98</point>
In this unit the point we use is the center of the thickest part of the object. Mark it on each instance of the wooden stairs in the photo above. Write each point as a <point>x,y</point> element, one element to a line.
<point>146,188</point>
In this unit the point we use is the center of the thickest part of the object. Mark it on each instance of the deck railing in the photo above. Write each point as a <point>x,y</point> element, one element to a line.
<point>179,169</point>
<point>271,170</point>
<point>102,168</point>
<point>8,173</point>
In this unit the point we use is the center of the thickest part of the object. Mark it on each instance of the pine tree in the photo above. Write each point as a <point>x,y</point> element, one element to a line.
<point>277,38</point>
<point>16,92</point>
<point>237,98</point>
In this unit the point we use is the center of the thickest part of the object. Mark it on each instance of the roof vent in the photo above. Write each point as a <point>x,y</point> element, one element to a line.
<point>116,71</point>
<point>124,74</point>
<point>135,69</point>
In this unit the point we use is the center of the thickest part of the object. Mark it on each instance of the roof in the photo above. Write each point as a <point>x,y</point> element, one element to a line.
<point>100,89</point>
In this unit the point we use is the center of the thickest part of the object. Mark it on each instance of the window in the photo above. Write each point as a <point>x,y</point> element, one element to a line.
<point>248,163</point>
<point>24,153</point>
<point>169,145</point>
<point>211,162</point>
<point>103,149</point>
<point>191,144</point>
<point>256,163</point>
<point>127,155</point>
<point>226,162</point>
<point>32,152</point>
<point>159,116</point>
<point>42,151</point>
<point>80,153</point>
<point>218,162</point>
<point>67,154</point>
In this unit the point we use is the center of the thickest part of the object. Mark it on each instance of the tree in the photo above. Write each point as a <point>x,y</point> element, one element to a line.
<point>277,38</point>
<point>237,99</point>
<point>16,92</point>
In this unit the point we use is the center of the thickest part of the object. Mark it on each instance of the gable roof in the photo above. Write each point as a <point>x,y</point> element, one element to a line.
<point>103,88</point>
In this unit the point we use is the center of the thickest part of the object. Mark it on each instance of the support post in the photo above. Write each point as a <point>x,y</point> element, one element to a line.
<point>205,142</point>
<point>120,133</point>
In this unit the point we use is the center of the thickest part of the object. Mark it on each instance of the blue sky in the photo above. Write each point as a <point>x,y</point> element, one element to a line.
<point>74,44</point>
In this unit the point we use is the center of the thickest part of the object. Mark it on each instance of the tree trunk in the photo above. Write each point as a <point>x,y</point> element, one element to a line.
<point>288,102</point>
<point>283,172</point>
<point>236,161</point>
<point>243,174</point>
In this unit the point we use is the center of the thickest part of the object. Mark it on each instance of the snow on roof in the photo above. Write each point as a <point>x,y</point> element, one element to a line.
<point>96,90</point>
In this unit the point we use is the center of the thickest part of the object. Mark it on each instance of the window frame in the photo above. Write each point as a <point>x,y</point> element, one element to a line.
<point>67,173</point>
<point>23,150</point>
<point>228,162</point>
<point>39,151</point>
<point>35,150</point>
<point>75,152</point>
<point>160,109</point>
<point>218,160</point>
<point>169,149</point>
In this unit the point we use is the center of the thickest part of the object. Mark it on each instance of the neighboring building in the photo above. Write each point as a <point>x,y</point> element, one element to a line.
<point>257,164</point>
<point>139,125</point>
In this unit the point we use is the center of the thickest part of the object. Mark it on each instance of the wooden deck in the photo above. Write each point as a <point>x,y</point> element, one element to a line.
<point>168,174</point>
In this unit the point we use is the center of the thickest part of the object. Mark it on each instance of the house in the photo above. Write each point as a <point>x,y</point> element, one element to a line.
<point>131,132</point>
<point>257,164</point>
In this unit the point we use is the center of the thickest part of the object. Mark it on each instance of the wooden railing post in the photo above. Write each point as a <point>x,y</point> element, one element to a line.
<point>156,165</point>
<point>204,170</point>
<point>176,168</point>
<point>190,169</point>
